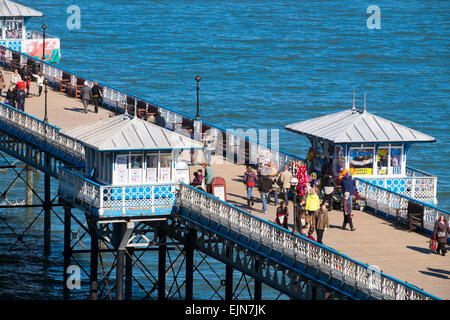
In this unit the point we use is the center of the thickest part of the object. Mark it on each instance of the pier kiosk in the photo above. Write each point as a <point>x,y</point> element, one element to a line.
<point>14,18</point>
<point>371,147</point>
<point>131,167</point>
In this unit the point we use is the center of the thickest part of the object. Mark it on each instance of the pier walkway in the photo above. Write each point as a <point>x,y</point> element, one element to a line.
<point>376,242</point>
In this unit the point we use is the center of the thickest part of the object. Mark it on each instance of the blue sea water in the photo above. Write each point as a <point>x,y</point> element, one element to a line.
<point>266,64</point>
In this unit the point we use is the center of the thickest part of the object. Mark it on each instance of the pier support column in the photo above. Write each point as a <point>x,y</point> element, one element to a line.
<point>29,189</point>
<point>93,272</point>
<point>119,274</point>
<point>162,267</point>
<point>189,251</point>
<point>258,284</point>
<point>228,277</point>
<point>128,274</point>
<point>47,212</point>
<point>67,249</point>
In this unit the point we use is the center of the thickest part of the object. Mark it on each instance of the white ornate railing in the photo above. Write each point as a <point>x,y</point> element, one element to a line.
<point>382,199</point>
<point>300,249</point>
<point>418,187</point>
<point>76,188</point>
<point>44,132</point>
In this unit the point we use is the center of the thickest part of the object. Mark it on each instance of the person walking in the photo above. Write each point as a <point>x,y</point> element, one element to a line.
<point>25,73</point>
<point>15,78</point>
<point>97,95</point>
<point>86,96</point>
<point>2,82</point>
<point>11,96</point>
<point>328,189</point>
<point>282,215</point>
<point>39,81</point>
<point>209,175</point>
<point>264,186</point>
<point>441,230</point>
<point>285,179</point>
<point>274,190</point>
<point>348,216</point>
<point>250,181</point>
<point>312,202</point>
<point>21,96</point>
<point>348,185</point>
<point>320,222</point>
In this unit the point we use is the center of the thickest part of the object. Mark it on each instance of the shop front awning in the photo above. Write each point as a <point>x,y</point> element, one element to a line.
<point>13,9</point>
<point>354,126</point>
<point>128,133</point>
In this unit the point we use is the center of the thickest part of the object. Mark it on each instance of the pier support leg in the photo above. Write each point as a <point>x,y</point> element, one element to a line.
<point>67,250</point>
<point>228,278</point>
<point>29,189</point>
<point>258,284</point>
<point>129,274</point>
<point>162,267</point>
<point>189,251</point>
<point>47,212</point>
<point>119,274</point>
<point>93,276</point>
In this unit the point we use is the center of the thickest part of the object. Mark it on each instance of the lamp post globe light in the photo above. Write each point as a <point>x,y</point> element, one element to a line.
<point>44,27</point>
<point>197,116</point>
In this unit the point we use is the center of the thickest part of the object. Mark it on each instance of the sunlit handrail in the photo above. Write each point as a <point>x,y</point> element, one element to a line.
<point>311,253</point>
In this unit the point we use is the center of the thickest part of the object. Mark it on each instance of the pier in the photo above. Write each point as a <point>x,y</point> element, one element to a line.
<point>244,239</point>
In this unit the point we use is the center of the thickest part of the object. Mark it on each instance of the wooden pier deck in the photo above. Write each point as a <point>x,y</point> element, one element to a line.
<point>399,253</point>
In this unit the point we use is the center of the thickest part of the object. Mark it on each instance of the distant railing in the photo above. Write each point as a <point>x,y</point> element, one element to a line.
<point>103,200</point>
<point>419,187</point>
<point>43,132</point>
<point>117,100</point>
<point>384,200</point>
<point>339,266</point>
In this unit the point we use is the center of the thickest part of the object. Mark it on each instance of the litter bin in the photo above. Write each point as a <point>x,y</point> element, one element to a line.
<point>219,188</point>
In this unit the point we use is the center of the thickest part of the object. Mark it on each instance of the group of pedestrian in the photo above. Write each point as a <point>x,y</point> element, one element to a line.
<point>88,95</point>
<point>19,87</point>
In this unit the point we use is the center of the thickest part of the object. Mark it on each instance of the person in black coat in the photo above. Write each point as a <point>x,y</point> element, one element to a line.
<point>441,229</point>
<point>264,186</point>
<point>11,96</point>
<point>96,95</point>
<point>329,187</point>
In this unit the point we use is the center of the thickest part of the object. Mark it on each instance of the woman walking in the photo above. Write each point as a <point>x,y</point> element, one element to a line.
<point>441,229</point>
<point>250,180</point>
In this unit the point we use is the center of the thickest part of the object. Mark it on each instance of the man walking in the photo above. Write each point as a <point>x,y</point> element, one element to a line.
<point>264,186</point>
<point>348,185</point>
<point>285,178</point>
<point>96,95</point>
<point>348,216</point>
<point>320,222</point>
<point>86,96</point>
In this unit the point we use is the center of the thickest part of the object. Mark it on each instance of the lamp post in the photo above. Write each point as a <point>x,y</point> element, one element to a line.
<point>44,27</point>
<point>197,117</point>
<point>45,103</point>
<point>294,184</point>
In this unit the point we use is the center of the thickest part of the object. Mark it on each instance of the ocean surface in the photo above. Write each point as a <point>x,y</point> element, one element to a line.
<point>263,64</point>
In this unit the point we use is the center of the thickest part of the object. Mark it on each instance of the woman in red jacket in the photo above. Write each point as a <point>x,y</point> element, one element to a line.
<point>441,229</point>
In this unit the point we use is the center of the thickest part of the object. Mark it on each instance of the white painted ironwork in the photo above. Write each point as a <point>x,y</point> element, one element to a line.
<point>41,131</point>
<point>297,247</point>
<point>73,186</point>
<point>386,201</point>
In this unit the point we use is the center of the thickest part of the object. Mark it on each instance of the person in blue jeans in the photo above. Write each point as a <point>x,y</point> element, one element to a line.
<point>349,185</point>
<point>264,186</point>
<point>250,180</point>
